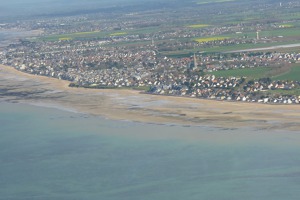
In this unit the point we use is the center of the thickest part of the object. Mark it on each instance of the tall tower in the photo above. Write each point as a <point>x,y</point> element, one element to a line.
<point>152,39</point>
<point>195,61</point>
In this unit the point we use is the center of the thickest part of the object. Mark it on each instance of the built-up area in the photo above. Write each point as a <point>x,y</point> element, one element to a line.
<point>133,50</point>
<point>94,65</point>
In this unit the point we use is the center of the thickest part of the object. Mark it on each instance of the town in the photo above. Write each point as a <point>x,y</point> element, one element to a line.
<point>177,60</point>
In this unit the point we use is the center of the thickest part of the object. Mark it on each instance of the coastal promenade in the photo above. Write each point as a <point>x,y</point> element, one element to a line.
<point>120,104</point>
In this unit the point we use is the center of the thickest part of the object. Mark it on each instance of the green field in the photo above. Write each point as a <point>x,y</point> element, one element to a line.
<point>291,31</point>
<point>100,34</point>
<point>118,34</point>
<point>259,72</point>
<point>287,25</point>
<point>72,36</point>
<point>295,91</point>
<point>238,47</point>
<point>198,26</point>
<point>293,74</point>
<point>290,36</point>
<point>253,73</point>
<point>286,32</point>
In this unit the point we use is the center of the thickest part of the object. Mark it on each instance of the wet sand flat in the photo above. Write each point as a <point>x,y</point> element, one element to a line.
<point>19,87</point>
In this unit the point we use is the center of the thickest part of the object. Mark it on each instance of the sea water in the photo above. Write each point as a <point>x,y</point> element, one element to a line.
<point>53,154</point>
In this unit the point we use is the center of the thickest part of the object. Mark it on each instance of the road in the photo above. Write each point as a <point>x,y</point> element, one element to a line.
<point>265,48</point>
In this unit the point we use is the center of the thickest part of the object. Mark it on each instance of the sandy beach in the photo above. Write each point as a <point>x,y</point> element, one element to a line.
<point>132,105</point>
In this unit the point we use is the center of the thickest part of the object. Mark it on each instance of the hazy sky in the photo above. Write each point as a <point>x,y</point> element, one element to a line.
<point>13,8</point>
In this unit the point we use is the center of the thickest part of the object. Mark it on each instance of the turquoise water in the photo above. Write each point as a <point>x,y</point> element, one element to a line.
<point>51,154</point>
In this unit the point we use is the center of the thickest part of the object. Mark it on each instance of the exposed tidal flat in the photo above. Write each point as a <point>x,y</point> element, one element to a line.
<point>132,105</point>
<point>57,143</point>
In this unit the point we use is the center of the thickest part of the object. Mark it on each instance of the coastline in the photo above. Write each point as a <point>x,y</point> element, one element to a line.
<point>136,106</point>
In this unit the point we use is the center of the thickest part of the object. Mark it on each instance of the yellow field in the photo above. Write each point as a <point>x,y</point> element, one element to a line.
<point>198,26</point>
<point>118,33</point>
<point>209,39</point>
<point>286,25</point>
<point>65,38</point>
<point>86,33</point>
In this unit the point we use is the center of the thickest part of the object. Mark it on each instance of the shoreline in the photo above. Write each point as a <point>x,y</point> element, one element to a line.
<point>133,105</point>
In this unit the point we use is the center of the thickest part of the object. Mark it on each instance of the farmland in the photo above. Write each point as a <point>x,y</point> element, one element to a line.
<point>198,26</point>
<point>284,92</point>
<point>72,36</point>
<point>98,34</point>
<point>287,25</point>
<point>118,33</point>
<point>292,74</point>
<point>250,73</point>
<point>209,27</point>
<point>209,39</point>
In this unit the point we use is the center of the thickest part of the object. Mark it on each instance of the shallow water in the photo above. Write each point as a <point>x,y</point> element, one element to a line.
<point>52,154</point>
<point>8,37</point>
